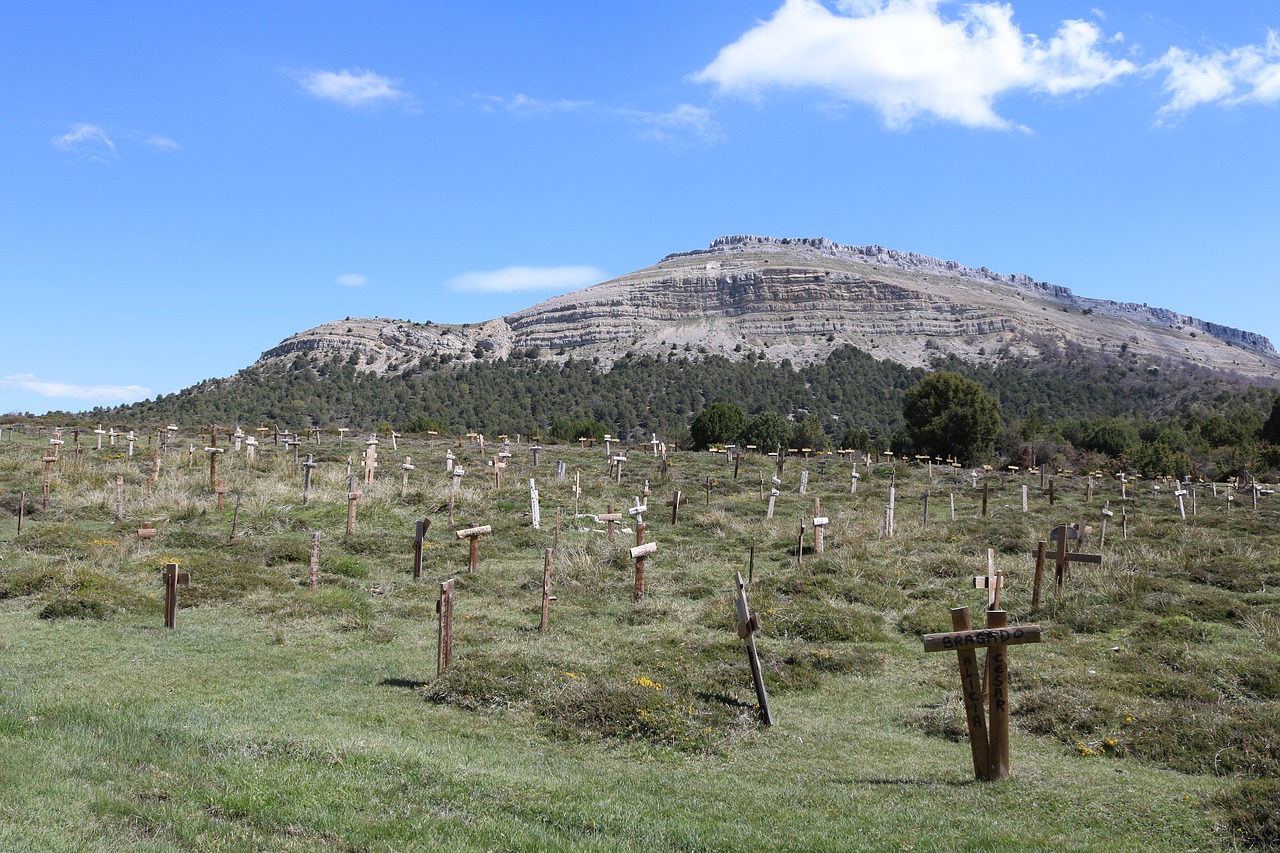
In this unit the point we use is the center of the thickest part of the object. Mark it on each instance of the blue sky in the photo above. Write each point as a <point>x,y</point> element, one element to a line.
<point>184,185</point>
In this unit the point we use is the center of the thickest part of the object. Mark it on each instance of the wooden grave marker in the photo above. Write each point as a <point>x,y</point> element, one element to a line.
<point>307,468</point>
<point>420,528</point>
<point>444,648</point>
<point>748,625</point>
<point>535,508</point>
<point>353,495</point>
<point>993,738</point>
<point>675,503</point>
<point>405,468</point>
<point>172,580</point>
<point>639,553</point>
<point>313,583</point>
<point>547,597</point>
<point>473,534</point>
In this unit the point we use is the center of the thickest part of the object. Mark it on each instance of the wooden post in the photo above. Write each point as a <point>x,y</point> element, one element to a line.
<point>748,624</point>
<point>804,482</point>
<point>676,501</point>
<point>773,497</point>
<point>314,583</point>
<point>547,597</point>
<point>22,508</point>
<point>172,580</point>
<point>971,690</point>
<point>925,499</point>
<point>1051,494</point>
<point>535,508</point>
<point>444,653</point>
<point>612,518</point>
<point>235,517</point>
<point>1041,548</point>
<point>707,486</point>
<point>473,534</point>
<point>1024,497</point>
<point>48,476</point>
<point>985,490</point>
<point>119,498</point>
<point>995,638</point>
<point>419,533</point>
<point>353,495</point>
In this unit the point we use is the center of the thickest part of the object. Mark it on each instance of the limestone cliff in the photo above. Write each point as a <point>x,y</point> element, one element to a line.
<point>800,299</point>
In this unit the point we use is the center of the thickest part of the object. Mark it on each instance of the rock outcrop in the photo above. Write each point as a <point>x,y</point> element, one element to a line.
<point>799,300</point>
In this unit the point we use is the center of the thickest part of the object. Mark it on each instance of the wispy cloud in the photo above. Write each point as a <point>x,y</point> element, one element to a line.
<point>86,140</point>
<point>685,123</point>
<point>95,393</point>
<point>1248,74</point>
<point>525,105</point>
<point>352,279</point>
<point>906,60</point>
<point>511,279</point>
<point>358,88</point>
<point>162,143</point>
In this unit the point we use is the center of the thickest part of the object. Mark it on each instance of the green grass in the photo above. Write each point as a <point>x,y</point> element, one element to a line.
<point>274,718</point>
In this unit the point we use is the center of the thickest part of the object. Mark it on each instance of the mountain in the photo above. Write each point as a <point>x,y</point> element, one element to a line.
<point>802,299</point>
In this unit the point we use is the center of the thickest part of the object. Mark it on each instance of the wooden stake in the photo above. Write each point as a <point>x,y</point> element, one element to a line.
<point>172,580</point>
<point>314,583</point>
<point>444,653</point>
<point>547,597</point>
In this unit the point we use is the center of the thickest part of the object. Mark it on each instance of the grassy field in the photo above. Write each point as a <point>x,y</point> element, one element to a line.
<point>277,718</point>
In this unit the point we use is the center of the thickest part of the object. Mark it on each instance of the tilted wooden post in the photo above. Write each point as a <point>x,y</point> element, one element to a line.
<point>676,502</point>
<point>473,534</point>
<point>307,468</point>
<point>994,638</point>
<point>172,580</point>
<point>748,624</point>
<point>444,650</point>
<point>1064,558</point>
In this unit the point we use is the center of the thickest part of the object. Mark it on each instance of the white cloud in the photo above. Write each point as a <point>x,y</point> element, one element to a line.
<point>352,279</point>
<point>162,143</point>
<point>522,104</point>
<point>511,279</point>
<point>87,140</point>
<point>95,393</point>
<point>1248,74</point>
<point>906,60</point>
<point>683,122</point>
<point>357,88</point>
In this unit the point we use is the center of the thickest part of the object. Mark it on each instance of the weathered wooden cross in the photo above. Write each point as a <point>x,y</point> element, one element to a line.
<point>172,580</point>
<point>307,468</point>
<point>643,549</point>
<point>1061,557</point>
<point>353,495</point>
<point>988,738</point>
<point>405,468</point>
<point>473,534</point>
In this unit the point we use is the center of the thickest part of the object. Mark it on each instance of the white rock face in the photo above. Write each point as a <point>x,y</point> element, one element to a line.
<point>799,300</point>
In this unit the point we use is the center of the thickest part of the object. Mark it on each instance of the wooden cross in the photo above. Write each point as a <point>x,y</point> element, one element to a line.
<point>535,506</point>
<point>307,467</point>
<point>473,534</point>
<point>444,653</point>
<point>804,482</point>
<point>353,495</point>
<point>988,740</point>
<point>100,432</point>
<point>404,480</point>
<point>748,624</point>
<point>707,486</point>
<point>48,474</point>
<point>992,581</point>
<point>638,553</point>
<point>172,579</point>
<point>1061,557</point>
<point>612,518</point>
<point>342,434</point>
<point>295,443</point>
<point>819,524</point>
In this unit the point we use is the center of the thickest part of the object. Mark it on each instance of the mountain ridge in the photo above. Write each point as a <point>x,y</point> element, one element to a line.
<point>799,299</point>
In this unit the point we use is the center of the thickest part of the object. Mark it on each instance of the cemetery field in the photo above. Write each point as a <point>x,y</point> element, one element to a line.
<point>275,716</point>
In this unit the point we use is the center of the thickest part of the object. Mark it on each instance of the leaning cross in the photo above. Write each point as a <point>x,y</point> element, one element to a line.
<point>988,740</point>
<point>172,579</point>
<point>748,624</point>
